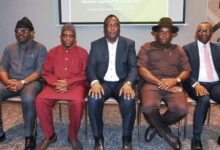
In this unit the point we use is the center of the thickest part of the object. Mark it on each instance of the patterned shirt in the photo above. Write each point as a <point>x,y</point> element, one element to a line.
<point>20,60</point>
<point>163,62</point>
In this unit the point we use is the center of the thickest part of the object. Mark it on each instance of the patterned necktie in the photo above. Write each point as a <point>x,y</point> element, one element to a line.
<point>208,63</point>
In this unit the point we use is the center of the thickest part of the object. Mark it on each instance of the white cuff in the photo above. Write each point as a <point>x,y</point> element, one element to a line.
<point>94,81</point>
<point>194,85</point>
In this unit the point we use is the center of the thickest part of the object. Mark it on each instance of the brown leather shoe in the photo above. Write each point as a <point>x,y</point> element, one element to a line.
<point>46,142</point>
<point>76,144</point>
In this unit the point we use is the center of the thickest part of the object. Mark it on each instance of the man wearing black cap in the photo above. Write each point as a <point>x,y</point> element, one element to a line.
<point>163,66</point>
<point>20,70</point>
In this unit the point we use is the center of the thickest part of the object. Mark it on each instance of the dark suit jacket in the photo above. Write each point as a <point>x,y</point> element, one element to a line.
<point>125,60</point>
<point>192,52</point>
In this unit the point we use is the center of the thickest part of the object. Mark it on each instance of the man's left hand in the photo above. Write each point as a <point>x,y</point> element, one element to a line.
<point>167,83</point>
<point>127,91</point>
<point>19,85</point>
<point>61,86</point>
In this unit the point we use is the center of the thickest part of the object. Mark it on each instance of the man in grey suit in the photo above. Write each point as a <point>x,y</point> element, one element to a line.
<point>203,83</point>
<point>112,72</point>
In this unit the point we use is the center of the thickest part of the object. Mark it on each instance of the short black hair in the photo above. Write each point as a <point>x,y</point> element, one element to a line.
<point>110,16</point>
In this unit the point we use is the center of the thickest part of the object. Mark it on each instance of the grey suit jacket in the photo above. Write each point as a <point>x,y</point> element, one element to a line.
<point>125,60</point>
<point>192,52</point>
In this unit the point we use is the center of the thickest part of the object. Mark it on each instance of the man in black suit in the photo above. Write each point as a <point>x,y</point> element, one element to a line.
<point>203,83</point>
<point>112,72</point>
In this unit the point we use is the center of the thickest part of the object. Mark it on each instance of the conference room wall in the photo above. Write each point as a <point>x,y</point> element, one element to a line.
<point>44,15</point>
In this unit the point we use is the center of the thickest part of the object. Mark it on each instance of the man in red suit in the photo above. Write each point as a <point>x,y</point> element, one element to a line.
<point>64,73</point>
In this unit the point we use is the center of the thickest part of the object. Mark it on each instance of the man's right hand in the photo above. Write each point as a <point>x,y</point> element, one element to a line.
<point>201,90</point>
<point>11,84</point>
<point>96,90</point>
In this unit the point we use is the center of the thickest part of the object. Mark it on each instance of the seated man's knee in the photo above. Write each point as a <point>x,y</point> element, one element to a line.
<point>204,101</point>
<point>179,109</point>
<point>92,102</point>
<point>79,104</point>
<point>148,109</point>
<point>182,110</point>
<point>28,99</point>
<point>38,102</point>
<point>129,103</point>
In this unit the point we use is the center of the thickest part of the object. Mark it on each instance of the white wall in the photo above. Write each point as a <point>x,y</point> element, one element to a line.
<point>44,16</point>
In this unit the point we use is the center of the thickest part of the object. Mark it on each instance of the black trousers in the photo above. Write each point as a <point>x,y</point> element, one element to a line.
<point>127,109</point>
<point>27,94</point>
<point>203,103</point>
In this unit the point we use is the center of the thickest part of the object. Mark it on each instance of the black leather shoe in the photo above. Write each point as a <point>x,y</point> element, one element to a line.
<point>3,137</point>
<point>127,146</point>
<point>173,141</point>
<point>126,143</point>
<point>30,143</point>
<point>149,133</point>
<point>196,144</point>
<point>99,143</point>
<point>218,140</point>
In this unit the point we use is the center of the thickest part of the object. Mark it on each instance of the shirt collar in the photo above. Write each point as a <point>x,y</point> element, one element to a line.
<point>26,45</point>
<point>115,43</point>
<point>200,44</point>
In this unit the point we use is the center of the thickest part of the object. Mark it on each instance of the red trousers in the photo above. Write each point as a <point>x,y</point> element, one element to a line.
<point>44,112</point>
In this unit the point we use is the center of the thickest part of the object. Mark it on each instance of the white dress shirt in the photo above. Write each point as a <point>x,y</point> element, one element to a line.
<point>202,68</point>
<point>111,74</point>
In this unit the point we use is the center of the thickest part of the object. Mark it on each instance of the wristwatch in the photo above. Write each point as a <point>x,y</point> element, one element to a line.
<point>23,82</point>
<point>178,80</point>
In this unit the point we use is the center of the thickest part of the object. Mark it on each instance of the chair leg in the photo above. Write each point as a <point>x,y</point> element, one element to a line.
<point>139,120</point>
<point>60,111</point>
<point>209,113</point>
<point>86,120</point>
<point>35,128</point>
<point>178,128</point>
<point>185,126</point>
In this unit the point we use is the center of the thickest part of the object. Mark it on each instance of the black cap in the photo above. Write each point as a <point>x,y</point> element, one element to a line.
<point>24,23</point>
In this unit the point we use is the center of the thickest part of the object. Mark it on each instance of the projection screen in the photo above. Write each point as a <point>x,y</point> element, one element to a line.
<point>128,11</point>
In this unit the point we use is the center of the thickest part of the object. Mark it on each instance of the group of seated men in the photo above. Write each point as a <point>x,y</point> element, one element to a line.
<point>166,72</point>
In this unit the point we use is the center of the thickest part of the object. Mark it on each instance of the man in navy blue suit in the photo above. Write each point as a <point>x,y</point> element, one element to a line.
<point>203,83</point>
<point>112,72</point>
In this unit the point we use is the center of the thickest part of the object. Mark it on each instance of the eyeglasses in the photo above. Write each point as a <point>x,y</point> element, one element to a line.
<point>112,25</point>
<point>17,31</point>
<point>68,35</point>
<point>204,31</point>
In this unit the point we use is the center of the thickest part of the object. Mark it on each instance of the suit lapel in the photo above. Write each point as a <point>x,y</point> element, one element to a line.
<point>119,50</point>
<point>104,51</point>
<point>214,57</point>
<point>195,51</point>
